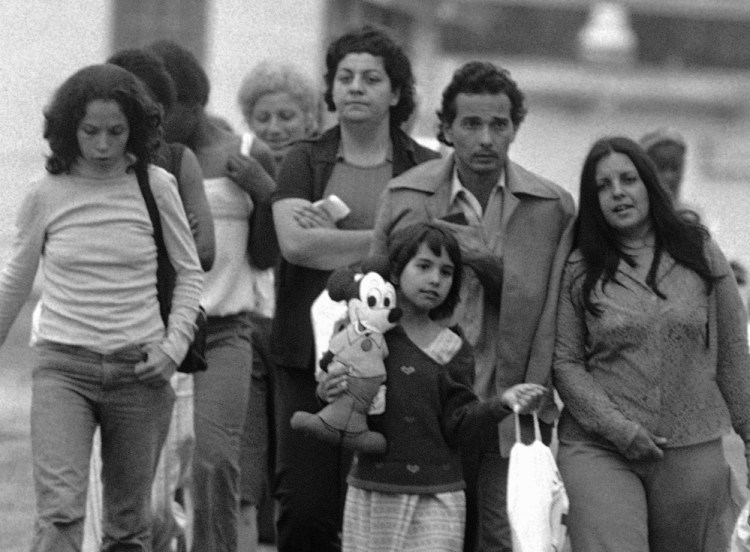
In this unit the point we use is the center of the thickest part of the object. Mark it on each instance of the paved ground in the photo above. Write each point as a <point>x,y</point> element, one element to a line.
<point>16,489</point>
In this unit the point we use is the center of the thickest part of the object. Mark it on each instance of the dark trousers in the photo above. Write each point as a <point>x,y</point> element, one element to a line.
<point>310,483</point>
<point>258,447</point>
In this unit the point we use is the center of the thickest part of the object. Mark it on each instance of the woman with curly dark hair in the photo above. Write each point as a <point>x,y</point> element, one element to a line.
<point>652,365</point>
<point>370,87</point>
<point>104,356</point>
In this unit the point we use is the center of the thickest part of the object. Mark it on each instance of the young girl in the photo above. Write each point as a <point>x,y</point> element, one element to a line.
<point>412,498</point>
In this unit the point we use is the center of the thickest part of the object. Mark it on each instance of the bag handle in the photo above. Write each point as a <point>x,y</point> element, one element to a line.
<point>164,271</point>
<point>537,430</point>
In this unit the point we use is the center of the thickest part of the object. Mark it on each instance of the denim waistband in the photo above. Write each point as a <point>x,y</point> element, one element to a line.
<point>230,320</point>
<point>131,353</point>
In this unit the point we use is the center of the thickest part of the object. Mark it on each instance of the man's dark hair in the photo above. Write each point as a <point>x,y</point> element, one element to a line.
<point>188,76</point>
<point>480,77</point>
<point>149,68</point>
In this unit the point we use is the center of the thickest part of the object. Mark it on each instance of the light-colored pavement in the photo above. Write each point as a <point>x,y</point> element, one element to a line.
<point>16,488</point>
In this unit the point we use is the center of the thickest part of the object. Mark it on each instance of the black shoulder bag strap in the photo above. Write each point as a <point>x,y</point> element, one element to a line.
<point>165,274</point>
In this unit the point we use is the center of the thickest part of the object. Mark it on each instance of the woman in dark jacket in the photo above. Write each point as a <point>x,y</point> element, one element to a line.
<point>370,86</point>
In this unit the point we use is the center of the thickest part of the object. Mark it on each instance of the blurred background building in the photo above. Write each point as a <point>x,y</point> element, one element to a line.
<point>588,68</point>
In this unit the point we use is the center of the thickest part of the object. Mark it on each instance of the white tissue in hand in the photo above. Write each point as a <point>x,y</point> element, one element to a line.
<point>334,207</point>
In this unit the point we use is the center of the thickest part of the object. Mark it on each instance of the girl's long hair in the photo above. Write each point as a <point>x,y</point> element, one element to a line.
<point>599,244</point>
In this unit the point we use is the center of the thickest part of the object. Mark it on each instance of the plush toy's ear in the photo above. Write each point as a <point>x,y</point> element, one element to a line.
<point>379,264</point>
<point>341,285</point>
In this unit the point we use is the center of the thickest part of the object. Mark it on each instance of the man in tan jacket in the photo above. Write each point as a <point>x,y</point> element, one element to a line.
<point>515,231</point>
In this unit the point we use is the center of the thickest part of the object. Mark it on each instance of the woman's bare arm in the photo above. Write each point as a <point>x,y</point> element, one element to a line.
<point>322,248</point>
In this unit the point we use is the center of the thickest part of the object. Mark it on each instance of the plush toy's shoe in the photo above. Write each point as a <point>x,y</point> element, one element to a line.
<point>369,442</point>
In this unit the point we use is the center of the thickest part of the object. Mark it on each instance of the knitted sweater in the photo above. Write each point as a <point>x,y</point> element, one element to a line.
<point>678,366</point>
<point>431,410</point>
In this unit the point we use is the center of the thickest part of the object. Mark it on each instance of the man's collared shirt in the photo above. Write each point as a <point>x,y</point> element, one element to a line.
<point>493,218</point>
<point>483,233</point>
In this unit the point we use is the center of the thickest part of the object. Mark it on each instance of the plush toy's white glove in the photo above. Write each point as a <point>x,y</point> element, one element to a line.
<point>378,403</point>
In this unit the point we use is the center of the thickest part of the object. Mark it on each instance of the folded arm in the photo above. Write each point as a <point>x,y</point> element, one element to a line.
<point>321,247</point>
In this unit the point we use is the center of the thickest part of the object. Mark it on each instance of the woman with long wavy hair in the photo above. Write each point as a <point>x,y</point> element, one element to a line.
<point>652,365</point>
<point>104,355</point>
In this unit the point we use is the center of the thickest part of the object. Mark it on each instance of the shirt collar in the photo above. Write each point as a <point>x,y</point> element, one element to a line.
<point>458,188</point>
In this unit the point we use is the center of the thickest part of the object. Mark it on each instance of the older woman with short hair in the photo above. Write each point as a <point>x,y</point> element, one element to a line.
<point>280,105</point>
<point>280,108</point>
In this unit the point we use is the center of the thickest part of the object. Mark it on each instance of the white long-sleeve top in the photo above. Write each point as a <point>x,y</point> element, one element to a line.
<point>96,239</point>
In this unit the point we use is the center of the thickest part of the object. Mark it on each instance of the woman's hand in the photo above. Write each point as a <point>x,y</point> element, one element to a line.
<point>309,216</point>
<point>523,398</point>
<point>332,382</point>
<point>241,167</point>
<point>157,369</point>
<point>193,222</point>
<point>250,175</point>
<point>645,446</point>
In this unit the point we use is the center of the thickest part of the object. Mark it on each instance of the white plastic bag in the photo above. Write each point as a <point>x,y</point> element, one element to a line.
<point>537,501</point>
<point>741,534</point>
<point>327,318</point>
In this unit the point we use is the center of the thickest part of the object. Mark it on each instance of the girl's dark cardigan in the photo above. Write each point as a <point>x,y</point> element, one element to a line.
<point>431,411</point>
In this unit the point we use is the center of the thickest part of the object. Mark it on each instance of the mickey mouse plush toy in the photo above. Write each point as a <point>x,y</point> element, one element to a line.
<point>360,347</point>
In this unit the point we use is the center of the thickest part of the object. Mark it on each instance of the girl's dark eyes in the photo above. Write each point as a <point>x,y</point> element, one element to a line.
<point>90,131</point>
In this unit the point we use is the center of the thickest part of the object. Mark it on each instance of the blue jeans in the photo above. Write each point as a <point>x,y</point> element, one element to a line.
<point>73,391</point>
<point>220,395</point>
<point>172,476</point>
